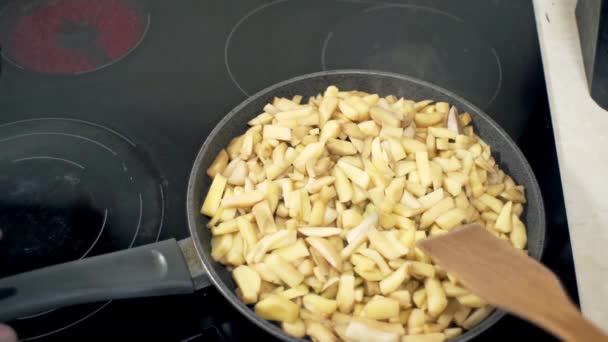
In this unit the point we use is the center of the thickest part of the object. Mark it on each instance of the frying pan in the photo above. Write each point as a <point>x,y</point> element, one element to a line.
<point>172,267</point>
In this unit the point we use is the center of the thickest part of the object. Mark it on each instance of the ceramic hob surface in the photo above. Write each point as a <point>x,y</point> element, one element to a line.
<point>103,106</point>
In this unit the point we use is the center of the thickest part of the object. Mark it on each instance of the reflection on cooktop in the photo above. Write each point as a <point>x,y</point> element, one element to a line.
<point>406,39</point>
<point>424,42</point>
<point>46,217</point>
<point>70,189</point>
<point>71,36</point>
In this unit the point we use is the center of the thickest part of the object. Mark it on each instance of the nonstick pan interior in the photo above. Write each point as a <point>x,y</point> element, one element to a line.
<point>507,154</point>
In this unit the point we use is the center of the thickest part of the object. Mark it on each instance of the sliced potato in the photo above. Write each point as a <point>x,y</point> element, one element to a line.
<point>327,250</point>
<point>319,332</point>
<point>436,298</point>
<point>492,202</point>
<point>344,188</point>
<point>426,120</point>
<point>319,204</point>
<point>503,222</point>
<point>319,231</point>
<point>364,330</point>
<point>384,246</point>
<point>341,147</point>
<point>421,270</point>
<point>296,328</point>
<point>248,280</point>
<point>519,237</point>
<point>380,307</point>
<point>277,308</point>
<point>263,217</point>
<point>356,175</point>
<point>429,216</point>
<point>346,293</point>
<point>244,200</point>
<point>384,117</point>
<point>316,303</point>
<point>310,153</point>
<point>214,196</point>
<point>451,218</point>
<point>472,301</point>
<point>277,132</point>
<point>394,281</point>
<point>293,252</point>
<point>476,317</point>
<point>284,270</point>
<point>220,245</point>
<point>218,165</point>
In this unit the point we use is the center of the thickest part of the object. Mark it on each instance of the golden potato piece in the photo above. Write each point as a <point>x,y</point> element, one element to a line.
<point>519,237</point>
<point>293,252</point>
<point>319,332</point>
<point>296,328</point>
<point>248,280</point>
<point>383,116</point>
<point>341,147</point>
<point>429,216</point>
<point>219,164</point>
<point>327,108</point>
<point>244,200</point>
<point>263,217</point>
<point>327,250</point>
<point>346,293</point>
<point>403,297</point>
<point>422,270</point>
<point>504,220</point>
<point>452,332</point>
<point>390,249</point>
<point>415,320</point>
<point>277,132</point>
<point>344,188</point>
<point>356,175</point>
<point>426,120</point>
<point>284,270</point>
<point>220,245</point>
<point>477,316</point>
<point>320,231</point>
<point>277,308</point>
<point>316,303</point>
<point>380,307</point>
<point>436,298</point>
<point>214,196</point>
<point>393,281</point>
<point>472,301</point>
<point>492,202</point>
<point>364,331</point>
<point>451,218</point>
<point>310,153</point>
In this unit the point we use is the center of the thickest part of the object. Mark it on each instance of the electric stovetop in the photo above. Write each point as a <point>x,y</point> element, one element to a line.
<point>104,104</point>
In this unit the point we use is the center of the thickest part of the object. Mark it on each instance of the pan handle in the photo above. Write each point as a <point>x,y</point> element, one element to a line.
<point>150,270</point>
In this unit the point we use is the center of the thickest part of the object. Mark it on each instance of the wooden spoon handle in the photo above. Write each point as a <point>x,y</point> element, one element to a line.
<point>568,323</point>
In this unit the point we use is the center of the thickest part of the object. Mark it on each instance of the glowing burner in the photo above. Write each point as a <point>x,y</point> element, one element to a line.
<point>71,36</point>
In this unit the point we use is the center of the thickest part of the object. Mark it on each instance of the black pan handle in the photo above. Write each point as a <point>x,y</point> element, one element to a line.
<point>151,270</point>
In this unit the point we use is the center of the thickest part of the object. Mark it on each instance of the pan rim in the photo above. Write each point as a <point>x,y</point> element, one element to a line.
<point>275,330</point>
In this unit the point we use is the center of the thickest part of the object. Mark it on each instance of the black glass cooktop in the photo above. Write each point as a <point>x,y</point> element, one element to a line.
<point>104,104</point>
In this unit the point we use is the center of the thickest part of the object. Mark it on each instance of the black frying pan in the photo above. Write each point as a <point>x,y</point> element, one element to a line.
<point>172,267</point>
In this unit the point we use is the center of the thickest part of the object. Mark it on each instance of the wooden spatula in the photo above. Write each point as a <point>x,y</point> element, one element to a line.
<point>510,280</point>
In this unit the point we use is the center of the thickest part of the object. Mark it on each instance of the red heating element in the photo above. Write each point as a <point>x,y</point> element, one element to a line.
<point>74,36</point>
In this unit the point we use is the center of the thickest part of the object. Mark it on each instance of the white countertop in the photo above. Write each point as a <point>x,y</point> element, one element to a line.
<point>581,134</point>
